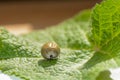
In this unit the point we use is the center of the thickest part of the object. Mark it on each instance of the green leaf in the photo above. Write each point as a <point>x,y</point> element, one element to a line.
<point>79,58</point>
<point>104,39</point>
<point>12,46</point>
<point>66,33</point>
<point>20,56</point>
<point>106,27</point>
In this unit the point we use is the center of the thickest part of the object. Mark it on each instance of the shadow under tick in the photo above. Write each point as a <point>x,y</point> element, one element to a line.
<point>47,63</point>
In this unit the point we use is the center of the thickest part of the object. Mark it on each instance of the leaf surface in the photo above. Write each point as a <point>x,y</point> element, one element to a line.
<point>26,61</point>
<point>86,52</point>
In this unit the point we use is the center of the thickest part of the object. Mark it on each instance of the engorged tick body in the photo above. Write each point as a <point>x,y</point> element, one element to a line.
<point>50,50</point>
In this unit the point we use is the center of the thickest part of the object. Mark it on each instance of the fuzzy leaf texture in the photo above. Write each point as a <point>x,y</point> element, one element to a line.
<point>106,27</point>
<point>79,58</point>
<point>105,39</point>
<point>21,56</point>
